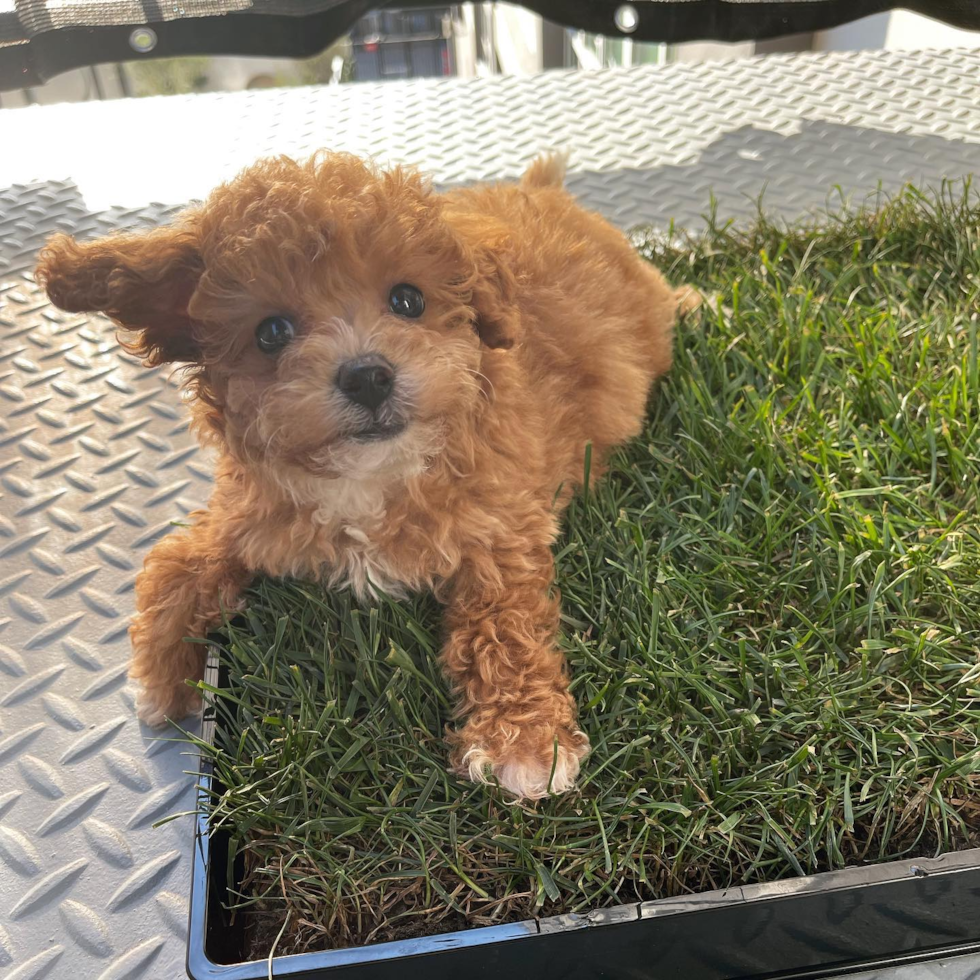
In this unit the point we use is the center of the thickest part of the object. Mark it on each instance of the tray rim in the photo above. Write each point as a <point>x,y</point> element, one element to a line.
<point>200,965</point>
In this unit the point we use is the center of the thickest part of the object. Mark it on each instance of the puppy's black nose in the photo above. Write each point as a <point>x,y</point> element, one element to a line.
<point>367,380</point>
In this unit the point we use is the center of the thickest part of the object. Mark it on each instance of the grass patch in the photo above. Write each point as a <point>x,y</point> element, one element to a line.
<point>771,609</point>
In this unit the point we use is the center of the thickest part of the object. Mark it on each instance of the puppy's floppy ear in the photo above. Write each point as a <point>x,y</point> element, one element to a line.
<point>486,245</point>
<point>498,321</point>
<point>144,281</point>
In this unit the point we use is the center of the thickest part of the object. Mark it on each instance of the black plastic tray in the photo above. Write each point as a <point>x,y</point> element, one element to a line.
<point>819,926</point>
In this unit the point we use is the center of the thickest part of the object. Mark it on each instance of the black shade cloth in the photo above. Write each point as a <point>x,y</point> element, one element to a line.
<point>41,38</point>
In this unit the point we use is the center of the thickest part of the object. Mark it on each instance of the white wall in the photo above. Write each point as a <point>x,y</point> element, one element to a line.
<point>909,30</point>
<point>711,51</point>
<point>897,29</point>
<point>860,35</point>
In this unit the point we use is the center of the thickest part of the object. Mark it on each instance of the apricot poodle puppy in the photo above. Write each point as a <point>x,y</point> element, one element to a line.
<point>400,386</point>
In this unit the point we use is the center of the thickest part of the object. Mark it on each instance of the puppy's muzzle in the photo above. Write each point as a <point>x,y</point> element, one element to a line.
<point>367,381</point>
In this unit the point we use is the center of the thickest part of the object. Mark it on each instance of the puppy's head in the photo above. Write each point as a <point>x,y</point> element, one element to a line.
<point>335,318</point>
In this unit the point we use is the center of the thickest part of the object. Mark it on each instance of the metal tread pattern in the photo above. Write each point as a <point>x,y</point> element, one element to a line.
<point>646,145</point>
<point>96,461</point>
<point>95,464</point>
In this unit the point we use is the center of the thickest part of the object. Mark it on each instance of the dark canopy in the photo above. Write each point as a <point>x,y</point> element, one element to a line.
<point>40,38</point>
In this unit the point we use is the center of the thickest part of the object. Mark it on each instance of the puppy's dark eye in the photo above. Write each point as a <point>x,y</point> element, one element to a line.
<point>406,300</point>
<point>273,333</point>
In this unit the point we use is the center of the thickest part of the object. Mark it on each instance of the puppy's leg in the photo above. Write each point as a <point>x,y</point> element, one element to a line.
<point>511,679</point>
<point>186,582</point>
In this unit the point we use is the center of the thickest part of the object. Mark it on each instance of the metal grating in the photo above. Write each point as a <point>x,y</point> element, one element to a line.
<point>95,460</point>
<point>647,144</point>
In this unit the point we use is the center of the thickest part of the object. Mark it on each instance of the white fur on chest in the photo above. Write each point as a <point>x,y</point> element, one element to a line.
<point>352,510</point>
<point>351,503</point>
<point>363,569</point>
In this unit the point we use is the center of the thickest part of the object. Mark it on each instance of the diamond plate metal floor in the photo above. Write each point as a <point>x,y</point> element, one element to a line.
<point>95,459</point>
<point>647,144</point>
<point>95,462</point>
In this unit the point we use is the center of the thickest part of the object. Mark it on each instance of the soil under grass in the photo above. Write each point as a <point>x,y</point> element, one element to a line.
<point>771,608</point>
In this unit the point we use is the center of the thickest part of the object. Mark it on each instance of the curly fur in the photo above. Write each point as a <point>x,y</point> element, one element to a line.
<point>542,333</point>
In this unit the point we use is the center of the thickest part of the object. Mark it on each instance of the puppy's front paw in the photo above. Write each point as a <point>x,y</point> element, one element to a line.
<point>526,766</point>
<point>155,706</point>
